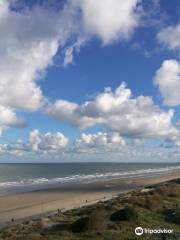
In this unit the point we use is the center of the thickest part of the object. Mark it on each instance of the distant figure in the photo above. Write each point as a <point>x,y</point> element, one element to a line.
<point>86,201</point>
<point>59,211</point>
<point>12,219</point>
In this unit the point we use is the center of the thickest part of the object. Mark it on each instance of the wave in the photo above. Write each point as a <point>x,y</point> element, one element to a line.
<point>86,178</point>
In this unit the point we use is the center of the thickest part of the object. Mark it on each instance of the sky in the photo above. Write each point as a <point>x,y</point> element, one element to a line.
<point>87,80</point>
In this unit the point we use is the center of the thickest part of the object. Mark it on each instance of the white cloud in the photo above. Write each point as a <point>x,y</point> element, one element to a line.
<point>178,123</point>
<point>31,37</point>
<point>118,111</point>
<point>109,20</point>
<point>170,37</point>
<point>167,78</point>
<point>8,118</point>
<point>116,21</point>
<point>68,112</point>
<point>175,139</point>
<point>57,143</point>
<point>69,52</point>
<point>99,142</point>
<point>46,142</point>
<point>172,141</point>
<point>29,40</point>
<point>37,143</point>
<point>51,146</point>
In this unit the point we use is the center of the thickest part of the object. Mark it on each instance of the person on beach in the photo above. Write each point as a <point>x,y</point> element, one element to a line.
<point>59,211</point>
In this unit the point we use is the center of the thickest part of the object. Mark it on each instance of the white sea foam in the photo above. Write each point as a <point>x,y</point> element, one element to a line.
<point>83,178</point>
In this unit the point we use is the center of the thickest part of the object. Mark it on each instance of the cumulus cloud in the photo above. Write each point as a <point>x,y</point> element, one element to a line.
<point>178,123</point>
<point>118,111</point>
<point>46,142</point>
<point>167,79</point>
<point>37,143</point>
<point>31,38</point>
<point>57,143</point>
<point>109,20</point>
<point>8,118</point>
<point>116,21</point>
<point>83,148</point>
<point>172,141</point>
<point>169,36</point>
<point>175,139</point>
<point>100,141</point>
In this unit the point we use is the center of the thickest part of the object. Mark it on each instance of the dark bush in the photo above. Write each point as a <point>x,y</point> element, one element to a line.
<point>127,213</point>
<point>95,222</point>
<point>172,215</point>
<point>176,181</point>
<point>80,225</point>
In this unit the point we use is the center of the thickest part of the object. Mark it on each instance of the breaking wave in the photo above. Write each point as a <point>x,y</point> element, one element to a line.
<point>82,178</point>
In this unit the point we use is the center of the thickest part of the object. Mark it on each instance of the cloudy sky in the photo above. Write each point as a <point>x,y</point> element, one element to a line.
<point>88,80</point>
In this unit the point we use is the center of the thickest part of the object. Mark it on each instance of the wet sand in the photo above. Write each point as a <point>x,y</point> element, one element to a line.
<point>36,203</point>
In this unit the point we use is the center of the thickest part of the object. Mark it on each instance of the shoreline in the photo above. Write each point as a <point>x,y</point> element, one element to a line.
<point>39,203</point>
<point>42,183</point>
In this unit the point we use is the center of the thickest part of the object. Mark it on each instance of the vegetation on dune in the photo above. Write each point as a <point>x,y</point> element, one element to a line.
<point>172,215</point>
<point>153,207</point>
<point>95,222</point>
<point>127,213</point>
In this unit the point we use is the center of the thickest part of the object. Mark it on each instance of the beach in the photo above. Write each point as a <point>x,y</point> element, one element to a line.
<point>28,205</point>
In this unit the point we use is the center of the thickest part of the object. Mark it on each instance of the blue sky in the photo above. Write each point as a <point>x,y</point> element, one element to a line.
<point>63,52</point>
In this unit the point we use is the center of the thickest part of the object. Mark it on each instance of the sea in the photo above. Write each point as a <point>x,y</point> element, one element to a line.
<point>27,177</point>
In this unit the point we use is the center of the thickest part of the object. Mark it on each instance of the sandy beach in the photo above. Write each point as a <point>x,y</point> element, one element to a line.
<point>31,204</point>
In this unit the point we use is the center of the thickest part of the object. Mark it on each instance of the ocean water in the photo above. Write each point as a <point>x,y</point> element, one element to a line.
<point>27,177</point>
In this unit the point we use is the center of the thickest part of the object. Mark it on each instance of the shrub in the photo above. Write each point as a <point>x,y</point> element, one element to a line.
<point>174,191</point>
<point>127,213</point>
<point>163,190</point>
<point>177,181</point>
<point>172,215</point>
<point>80,225</point>
<point>95,222</point>
<point>153,202</point>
